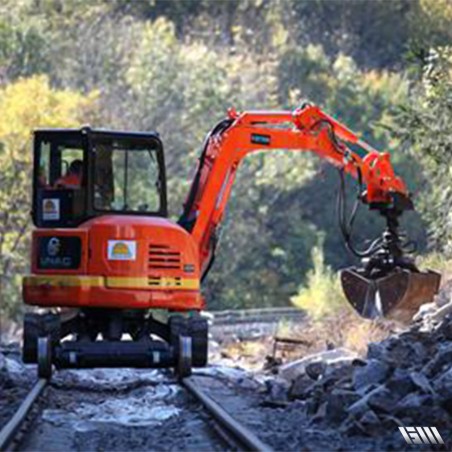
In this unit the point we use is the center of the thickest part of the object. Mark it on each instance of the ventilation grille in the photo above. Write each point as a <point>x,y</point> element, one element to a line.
<point>162,257</point>
<point>157,281</point>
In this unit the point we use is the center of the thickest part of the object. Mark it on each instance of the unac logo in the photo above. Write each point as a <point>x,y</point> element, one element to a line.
<point>53,246</point>
<point>121,249</point>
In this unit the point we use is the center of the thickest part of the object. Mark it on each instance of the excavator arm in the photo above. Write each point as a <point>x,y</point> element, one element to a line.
<point>387,274</point>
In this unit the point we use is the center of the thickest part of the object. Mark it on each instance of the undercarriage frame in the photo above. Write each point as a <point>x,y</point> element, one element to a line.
<point>95,338</point>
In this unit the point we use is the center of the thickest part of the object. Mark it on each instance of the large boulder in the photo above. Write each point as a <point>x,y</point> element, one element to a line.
<point>373,372</point>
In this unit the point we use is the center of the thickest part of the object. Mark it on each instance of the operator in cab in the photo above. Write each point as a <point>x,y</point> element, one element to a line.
<point>73,176</point>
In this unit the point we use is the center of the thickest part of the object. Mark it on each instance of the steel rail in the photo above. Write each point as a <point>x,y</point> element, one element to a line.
<point>242,436</point>
<point>245,311</point>
<point>12,427</point>
<point>262,315</point>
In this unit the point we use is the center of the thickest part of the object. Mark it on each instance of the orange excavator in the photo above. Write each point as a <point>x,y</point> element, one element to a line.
<point>106,259</point>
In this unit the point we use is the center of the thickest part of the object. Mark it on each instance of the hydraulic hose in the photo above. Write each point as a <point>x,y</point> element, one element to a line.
<point>184,220</point>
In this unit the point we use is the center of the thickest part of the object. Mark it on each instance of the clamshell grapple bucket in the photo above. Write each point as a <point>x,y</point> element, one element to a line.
<point>396,295</point>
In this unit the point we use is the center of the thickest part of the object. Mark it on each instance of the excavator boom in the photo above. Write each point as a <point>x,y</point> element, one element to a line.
<point>388,283</point>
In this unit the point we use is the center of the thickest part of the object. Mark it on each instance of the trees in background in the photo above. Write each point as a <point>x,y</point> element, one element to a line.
<point>176,67</point>
<point>25,105</point>
<point>424,123</point>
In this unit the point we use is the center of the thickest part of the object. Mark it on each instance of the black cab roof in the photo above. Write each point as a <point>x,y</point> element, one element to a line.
<point>89,130</point>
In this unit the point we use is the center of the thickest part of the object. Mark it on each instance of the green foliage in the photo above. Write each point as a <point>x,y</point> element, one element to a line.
<point>425,124</point>
<point>430,23</point>
<point>374,33</point>
<point>23,46</point>
<point>359,98</point>
<point>181,91</point>
<point>176,67</point>
<point>25,105</point>
<point>321,294</point>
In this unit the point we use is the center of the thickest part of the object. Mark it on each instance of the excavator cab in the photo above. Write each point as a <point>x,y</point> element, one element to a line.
<point>83,174</point>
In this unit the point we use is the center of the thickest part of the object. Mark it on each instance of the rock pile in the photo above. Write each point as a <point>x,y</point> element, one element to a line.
<point>405,380</point>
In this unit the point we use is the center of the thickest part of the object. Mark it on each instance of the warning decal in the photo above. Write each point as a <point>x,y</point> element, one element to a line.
<point>122,250</point>
<point>50,209</point>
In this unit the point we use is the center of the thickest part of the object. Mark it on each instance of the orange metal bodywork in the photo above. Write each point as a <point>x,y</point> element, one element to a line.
<point>305,129</point>
<point>138,283</point>
<point>100,282</point>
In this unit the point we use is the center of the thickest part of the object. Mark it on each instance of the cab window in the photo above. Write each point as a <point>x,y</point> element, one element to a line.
<point>59,187</point>
<point>60,166</point>
<point>126,176</point>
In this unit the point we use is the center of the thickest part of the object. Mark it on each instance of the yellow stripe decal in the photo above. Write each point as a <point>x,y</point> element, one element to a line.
<point>117,282</point>
<point>152,283</point>
<point>126,282</point>
<point>64,281</point>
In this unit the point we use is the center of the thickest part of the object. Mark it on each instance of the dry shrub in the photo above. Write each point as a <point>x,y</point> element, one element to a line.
<point>437,262</point>
<point>322,295</point>
<point>359,332</point>
<point>344,329</point>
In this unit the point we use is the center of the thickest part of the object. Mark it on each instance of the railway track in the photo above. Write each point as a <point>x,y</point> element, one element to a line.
<point>239,436</point>
<point>251,324</point>
<point>262,315</point>
<point>229,431</point>
<point>10,432</point>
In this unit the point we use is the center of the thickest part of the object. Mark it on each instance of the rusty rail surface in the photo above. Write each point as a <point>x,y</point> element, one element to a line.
<point>9,431</point>
<point>241,436</point>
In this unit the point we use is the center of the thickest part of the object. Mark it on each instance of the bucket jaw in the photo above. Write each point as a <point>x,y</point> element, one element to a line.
<point>396,295</point>
<point>389,284</point>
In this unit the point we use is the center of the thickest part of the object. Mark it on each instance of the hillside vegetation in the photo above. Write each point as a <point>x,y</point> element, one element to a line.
<point>384,68</point>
